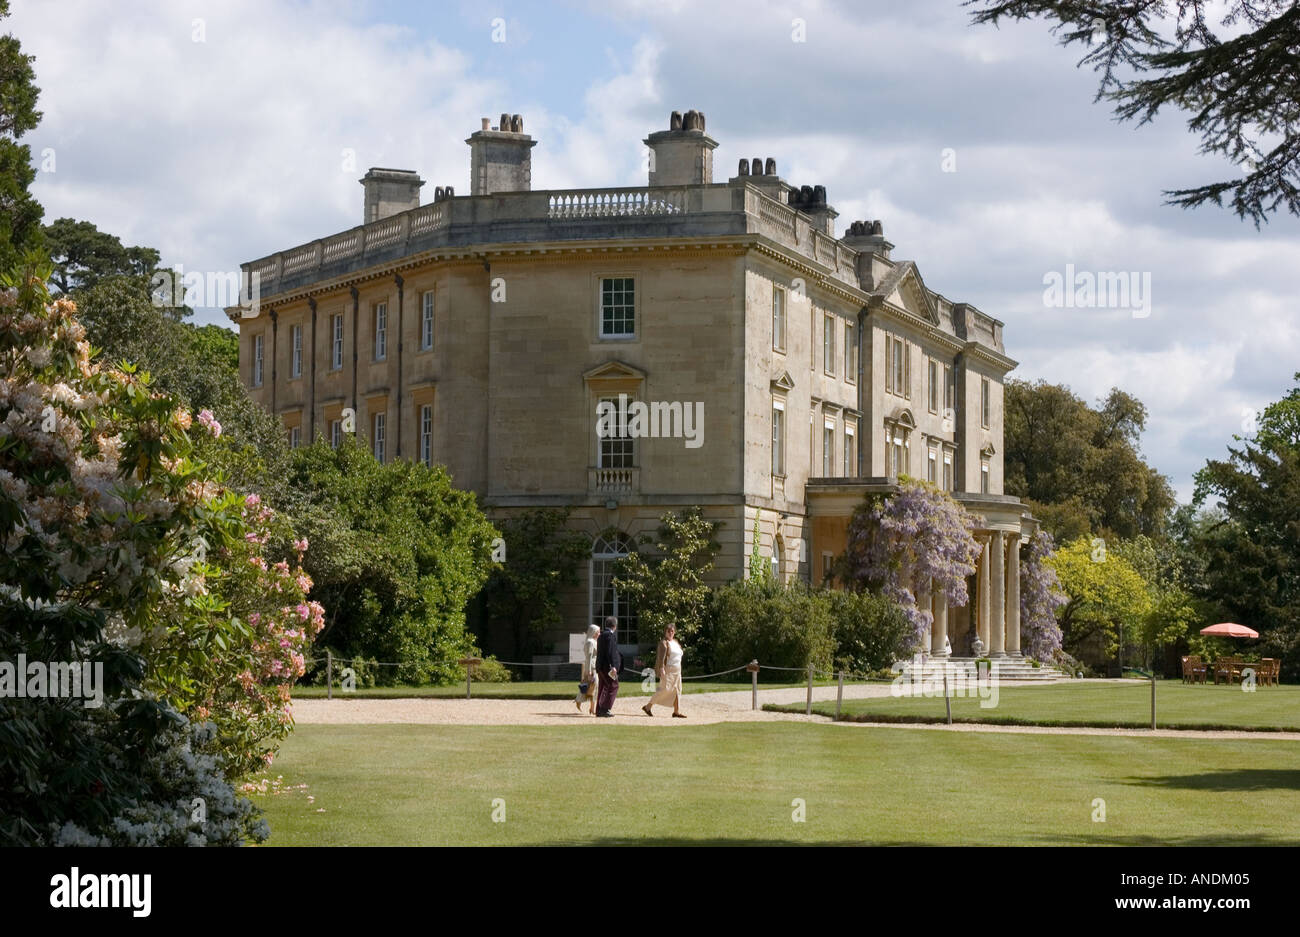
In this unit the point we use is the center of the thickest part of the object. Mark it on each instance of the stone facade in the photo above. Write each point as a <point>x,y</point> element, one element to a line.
<point>484,331</point>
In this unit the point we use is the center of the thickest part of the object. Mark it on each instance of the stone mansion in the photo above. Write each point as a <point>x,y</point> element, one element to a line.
<point>625,352</point>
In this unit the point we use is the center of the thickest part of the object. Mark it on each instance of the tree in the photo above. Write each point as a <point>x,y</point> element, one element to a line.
<point>20,213</point>
<point>1252,548</point>
<point>1236,83</point>
<point>666,585</point>
<point>1079,469</point>
<point>758,567</point>
<point>906,545</point>
<point>85,256</point>
<point>522,595</point>
<point>114,538</point>
<point>397,553</point>
<point>1106,596</point>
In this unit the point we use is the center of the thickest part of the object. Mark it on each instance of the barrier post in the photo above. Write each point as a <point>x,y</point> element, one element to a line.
<point>752,667</point>
<point>807,710</point>
<point>468,663</point>
<point>839,696</point>
<point>947,699</point>
<point>329,675</point>
<point>1153,694</point>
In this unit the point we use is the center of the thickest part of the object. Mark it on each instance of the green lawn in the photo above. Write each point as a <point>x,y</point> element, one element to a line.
<point>529,689</point>
<point>735,783</point>
<point>1089,703</point>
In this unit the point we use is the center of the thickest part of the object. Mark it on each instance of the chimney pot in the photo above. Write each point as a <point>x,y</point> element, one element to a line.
<point>485,123</point>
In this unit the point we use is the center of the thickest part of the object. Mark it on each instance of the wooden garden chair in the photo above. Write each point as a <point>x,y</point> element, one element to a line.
<point>1267,672</point>
<point>1229,668</point>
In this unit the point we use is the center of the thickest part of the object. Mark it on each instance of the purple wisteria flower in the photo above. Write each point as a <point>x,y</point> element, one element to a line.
<point>1040,596</point>
<point>917,540</point>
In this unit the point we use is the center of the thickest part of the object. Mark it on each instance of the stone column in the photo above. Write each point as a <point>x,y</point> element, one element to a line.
<point>939,633</point>
<point>997,595</point>
<point>924,597</point>
<point>1013,596</point>
<point>982,586</point>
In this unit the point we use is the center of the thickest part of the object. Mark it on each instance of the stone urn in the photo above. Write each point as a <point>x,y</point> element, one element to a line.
<point>976,645</point>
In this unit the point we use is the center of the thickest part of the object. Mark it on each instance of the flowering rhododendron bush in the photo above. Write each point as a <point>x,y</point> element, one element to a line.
<point>914,540</point>
<point>1040,596</point>
<point>120,550</point>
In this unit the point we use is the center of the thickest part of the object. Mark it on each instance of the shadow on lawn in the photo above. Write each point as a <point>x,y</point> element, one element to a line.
<point>726,841</point>
<point>1236,779</point>
<point>1247,838</point>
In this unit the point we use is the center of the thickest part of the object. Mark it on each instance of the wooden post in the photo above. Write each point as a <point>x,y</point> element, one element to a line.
<point>947,700</point>
<point>469,663</point>
<point>329,675</point>
<point>807,711</point>
<point>839,696</point>
<point>752,667</point>
<point>1153,695</point>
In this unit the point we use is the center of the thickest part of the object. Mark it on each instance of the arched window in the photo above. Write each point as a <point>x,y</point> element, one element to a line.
<point>606,599</point>
<point>778,559</point>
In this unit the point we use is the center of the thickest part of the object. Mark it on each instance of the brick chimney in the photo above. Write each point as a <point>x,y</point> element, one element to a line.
<point>682,154</point>
<point>500,158</point>
<point>389,191</point>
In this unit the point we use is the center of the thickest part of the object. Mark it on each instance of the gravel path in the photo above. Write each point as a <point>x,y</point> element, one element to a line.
<point>700,708</point>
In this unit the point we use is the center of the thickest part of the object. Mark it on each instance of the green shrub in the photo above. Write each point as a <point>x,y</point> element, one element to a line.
<point>780,626</point>
<point>871,633</point>
<point>491,670</point>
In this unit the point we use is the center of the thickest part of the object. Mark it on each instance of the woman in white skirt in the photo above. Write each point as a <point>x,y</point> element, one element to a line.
<point>588,671</point>
<point>668,670</point>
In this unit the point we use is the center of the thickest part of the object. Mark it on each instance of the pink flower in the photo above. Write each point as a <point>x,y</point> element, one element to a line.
<point>255,618</point>
<point>300,545</point>
<point>303,612</point>
<point>252,501</point>
<point>210,424</point>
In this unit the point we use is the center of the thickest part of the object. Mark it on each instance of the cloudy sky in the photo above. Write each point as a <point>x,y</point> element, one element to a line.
<point>220,132</point>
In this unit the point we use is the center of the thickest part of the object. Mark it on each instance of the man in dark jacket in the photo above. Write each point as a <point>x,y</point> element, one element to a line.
<point>608,662</point>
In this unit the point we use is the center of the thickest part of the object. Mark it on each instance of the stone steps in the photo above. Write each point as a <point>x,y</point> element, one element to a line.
<point>1008,668</point>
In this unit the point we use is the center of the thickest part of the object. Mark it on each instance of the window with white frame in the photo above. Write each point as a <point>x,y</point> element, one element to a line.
<point>426,434</point>
<point>812,438</point>
<point>617,307</point>
<point>259,348</point>
<point>828,564</point>
<point>828,343</point>
<point>617,447</point>
<point>947,470</point>
<point>850,449</point>
<point>984,474</point>
<point>378,425</point>
<point>812,336</point>
<point>828,447</point>
<point>896,449</point>
<point>949,388</point>
<point>336,342</point>
<point>984,401</point>
<point>778,318</point>
<point>295,364</point>
<point>381,331</point>
<point>932,465</point>
<point>295,437</point>
<point>426,321</point>
<point>778,438</point>
<point>932,379</point>
<point>336,433</point>
<point>605,597</point>
<point>850,352</point>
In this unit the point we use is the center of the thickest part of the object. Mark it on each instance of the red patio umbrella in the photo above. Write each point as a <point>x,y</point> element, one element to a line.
<point>1230,629</point>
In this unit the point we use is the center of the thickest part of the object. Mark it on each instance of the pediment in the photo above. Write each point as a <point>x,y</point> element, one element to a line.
<point>613,371</point>
<point>988,451</point>
<point>903,417</point>
<point>905,289</point>
<point>783,383</point>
